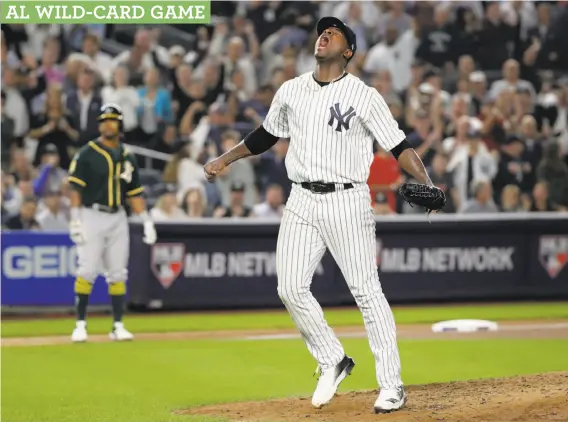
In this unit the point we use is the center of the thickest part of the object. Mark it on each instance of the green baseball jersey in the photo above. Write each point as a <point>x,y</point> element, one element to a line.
<point>104,176</point>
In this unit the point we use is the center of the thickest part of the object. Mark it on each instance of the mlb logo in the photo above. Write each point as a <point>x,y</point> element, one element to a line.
<point>167,262</point>
<point>553,254</point>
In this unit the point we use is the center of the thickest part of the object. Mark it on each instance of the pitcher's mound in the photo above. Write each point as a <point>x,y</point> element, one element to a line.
<point>524,398</point>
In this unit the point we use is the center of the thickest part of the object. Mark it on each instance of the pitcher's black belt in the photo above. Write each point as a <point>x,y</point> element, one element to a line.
<point>105,208</point>
<point>319,187</point>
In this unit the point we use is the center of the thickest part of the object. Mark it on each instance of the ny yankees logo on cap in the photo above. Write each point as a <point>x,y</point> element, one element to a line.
<point>342,119</point>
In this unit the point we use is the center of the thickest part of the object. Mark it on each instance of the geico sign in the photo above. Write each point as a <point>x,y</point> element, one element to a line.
<point>39,261</point>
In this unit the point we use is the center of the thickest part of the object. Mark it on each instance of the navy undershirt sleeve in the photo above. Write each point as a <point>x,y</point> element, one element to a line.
<point>259,140</point>
<point>396,151</point>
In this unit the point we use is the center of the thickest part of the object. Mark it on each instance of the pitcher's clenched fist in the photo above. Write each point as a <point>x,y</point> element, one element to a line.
<point>214,168</point>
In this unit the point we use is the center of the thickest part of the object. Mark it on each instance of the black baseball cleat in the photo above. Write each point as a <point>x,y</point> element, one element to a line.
<point>329,381</point>
<point>390,399</point>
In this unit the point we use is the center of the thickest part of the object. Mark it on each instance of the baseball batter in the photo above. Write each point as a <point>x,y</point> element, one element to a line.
<point>103,176</point>
<point>332,119</point>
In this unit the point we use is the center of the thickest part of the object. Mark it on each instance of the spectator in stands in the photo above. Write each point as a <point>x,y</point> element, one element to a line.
<point>381,205</point>
<point>84,107</point>
<point>466,66</point>
<point>189,172</point>
<point>126,96</point>
<point>54,128</point>
<point>469,162</point>
<point>392,56</point>
<point>35,37</point>
<point>236,206</point>
<point>182,96</point>
<point>482,199</point>
<point>195,203</point>
<point>20,167</point>
<point>236,58</point>
<point>395,16</point>
<point>25,220</point>
<point>459,110</point>
<point>214,80</point>
<point>76,33</point>
<point>459,136</point>
<point>54,73</point>
<point>50,217</point>
<point>101,62</point>
<point>514,167</point>
<point>382,82</point>
<point>273,205</point>
<point>554,173</point>
<point>138,59</point>
<point>11,196</point>
<point>385,176</point>
<point>436,46</point>
<point>50,174</point>
<point>511,81</point>
<point>15,102</point>
<point>253,110</point>
<point>423,138</point>
<point>3,211</point>
<point>155,109</point>
<point>550,38</point>
<point>533,143</point>
<point>493,39</point>
<point>478,84</point>
<point>167,206</point>
<point>9,57</point>
<point>540,199</point>
<point>271,168</point>
<point>7,127</point>
<point>241,175</point>
<point>511,199</point>
<point>167,143</point>
<point>444,180</point>
<point>192,119</point>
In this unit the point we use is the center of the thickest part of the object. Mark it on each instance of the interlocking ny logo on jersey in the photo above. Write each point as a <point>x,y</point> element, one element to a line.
<point>341,119</point>
<point>553,254</point>
<point>167,262</point>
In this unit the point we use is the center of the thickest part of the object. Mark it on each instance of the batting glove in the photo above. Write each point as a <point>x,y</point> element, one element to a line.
<point>76,232</point>
<point>150,235</point>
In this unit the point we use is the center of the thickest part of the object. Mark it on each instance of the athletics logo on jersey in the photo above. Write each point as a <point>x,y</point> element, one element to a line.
<point>553,254</point>
<point>167,262</point>
<point>127,173</point>
<point>342,119</point>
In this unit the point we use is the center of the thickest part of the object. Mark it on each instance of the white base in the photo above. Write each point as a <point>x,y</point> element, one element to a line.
<point>464,326</point>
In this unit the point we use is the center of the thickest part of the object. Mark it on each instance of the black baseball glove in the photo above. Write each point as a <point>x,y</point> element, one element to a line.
<point>429,197</point>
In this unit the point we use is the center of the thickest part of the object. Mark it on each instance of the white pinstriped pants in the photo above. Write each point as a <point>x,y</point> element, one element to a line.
<point>342,221</point>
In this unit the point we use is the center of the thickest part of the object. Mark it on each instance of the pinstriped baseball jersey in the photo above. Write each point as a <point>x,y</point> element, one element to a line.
<point>331,128</point>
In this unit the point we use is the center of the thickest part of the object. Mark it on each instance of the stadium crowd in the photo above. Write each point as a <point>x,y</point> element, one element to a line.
<point>480,89</point>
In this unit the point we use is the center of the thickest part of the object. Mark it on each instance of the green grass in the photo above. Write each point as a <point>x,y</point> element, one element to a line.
<point>146,381</point>
<point>280,319</point>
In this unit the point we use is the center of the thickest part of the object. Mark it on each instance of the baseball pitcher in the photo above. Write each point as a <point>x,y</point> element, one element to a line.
<point>332,119</point>
<point>103,176</point>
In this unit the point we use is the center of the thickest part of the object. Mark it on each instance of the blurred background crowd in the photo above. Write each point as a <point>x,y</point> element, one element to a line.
<point>480,88</point>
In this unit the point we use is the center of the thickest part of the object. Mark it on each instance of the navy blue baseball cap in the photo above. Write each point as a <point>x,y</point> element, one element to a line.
<point>330,21</point>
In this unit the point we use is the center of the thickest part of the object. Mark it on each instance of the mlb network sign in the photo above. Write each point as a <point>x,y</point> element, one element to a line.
<point>445,259</point>
<point>170,260</point>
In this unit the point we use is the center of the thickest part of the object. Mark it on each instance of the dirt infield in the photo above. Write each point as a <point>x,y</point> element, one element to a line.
<point>520,329</point>
<point>527,398</point>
